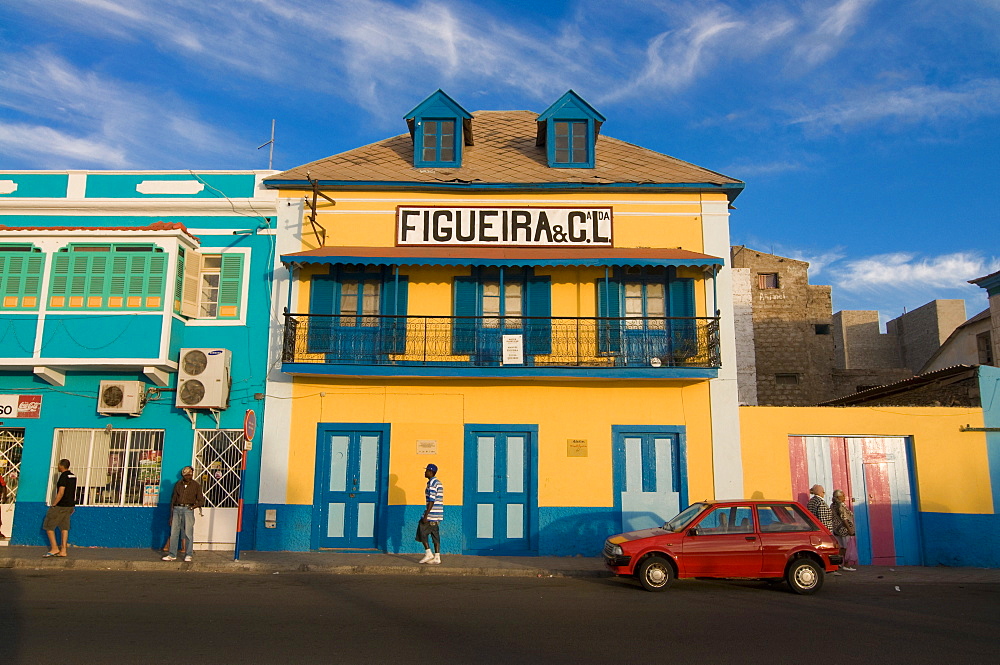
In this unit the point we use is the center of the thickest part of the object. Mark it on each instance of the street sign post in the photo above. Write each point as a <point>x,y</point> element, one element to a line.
<point>249,430</point>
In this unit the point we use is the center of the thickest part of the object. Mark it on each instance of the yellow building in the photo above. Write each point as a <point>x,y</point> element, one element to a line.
<point>538,309</point>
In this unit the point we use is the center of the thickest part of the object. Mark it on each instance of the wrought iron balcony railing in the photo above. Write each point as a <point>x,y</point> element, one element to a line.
<point>501,341</point>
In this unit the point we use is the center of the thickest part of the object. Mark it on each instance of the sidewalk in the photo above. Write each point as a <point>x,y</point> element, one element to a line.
<point>379,563</point>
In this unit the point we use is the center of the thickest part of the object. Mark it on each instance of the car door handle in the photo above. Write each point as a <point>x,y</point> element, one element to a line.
<point>751,538</point>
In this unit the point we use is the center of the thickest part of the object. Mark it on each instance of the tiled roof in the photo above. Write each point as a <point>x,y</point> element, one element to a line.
<point>155,226</point>
<point>504,151</point>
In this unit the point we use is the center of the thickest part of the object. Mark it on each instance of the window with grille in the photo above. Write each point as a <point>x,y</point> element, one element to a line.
<point>11,447</point>
<point>118,467</point>
<point>21,268</point>
<point>767,280</point>
<point>108,276</point>
<point>218,454</point>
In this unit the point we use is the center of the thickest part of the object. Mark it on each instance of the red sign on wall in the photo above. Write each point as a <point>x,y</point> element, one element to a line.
<point>20,406</point>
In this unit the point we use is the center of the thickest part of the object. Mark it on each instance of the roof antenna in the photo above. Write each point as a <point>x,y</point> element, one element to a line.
<point>270,156</point>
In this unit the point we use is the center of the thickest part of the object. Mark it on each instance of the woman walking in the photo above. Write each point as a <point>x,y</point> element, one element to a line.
<point>843,530</point>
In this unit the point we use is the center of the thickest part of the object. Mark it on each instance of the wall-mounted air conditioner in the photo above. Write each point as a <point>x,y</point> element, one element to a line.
<point>203,379</point>
<point>121,397</point>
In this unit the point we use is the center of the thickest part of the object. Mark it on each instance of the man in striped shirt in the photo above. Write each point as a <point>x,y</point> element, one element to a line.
<point>433,514</point>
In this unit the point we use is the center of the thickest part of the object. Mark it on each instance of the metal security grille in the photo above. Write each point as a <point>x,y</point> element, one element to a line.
<point>119,467</point>
<point>11,445</point>
<point>217,457</point>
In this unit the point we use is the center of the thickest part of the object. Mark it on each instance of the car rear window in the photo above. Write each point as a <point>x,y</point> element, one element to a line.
<point>782,517</point>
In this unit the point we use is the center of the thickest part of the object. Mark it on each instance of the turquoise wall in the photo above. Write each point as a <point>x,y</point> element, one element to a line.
<point>17,334</point>
<point>37,185</point>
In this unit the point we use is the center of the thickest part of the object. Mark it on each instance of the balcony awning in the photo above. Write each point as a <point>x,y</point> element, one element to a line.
<point>502,256</point>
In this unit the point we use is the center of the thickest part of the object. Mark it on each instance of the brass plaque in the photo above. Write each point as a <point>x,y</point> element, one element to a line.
<point>576,447</point>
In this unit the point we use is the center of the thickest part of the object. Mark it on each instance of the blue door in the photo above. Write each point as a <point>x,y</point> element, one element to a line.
<point>500,511</point>
<point>649,479</point>
<point>349,489</point>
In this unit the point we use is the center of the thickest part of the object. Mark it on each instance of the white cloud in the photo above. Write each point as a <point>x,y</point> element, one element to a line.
<point>64,116</point>
<point>918,103</point>
<point>835,26</point>
<point>907,271</point>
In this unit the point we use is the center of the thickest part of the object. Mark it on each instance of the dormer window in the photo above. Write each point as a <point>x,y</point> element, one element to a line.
<point>440,127</point>
<point>568,129</point>
<point>439,140</point>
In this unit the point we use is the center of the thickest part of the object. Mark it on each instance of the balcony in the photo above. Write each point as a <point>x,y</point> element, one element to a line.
<point>511,345</point>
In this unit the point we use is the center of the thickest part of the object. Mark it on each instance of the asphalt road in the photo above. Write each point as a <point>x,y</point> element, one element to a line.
<point>83,617</point>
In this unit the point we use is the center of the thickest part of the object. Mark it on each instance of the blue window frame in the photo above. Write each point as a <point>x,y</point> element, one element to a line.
<point>368,308</point>
<point>494,302</point>
<point>571,145</point>
<point>649,313</point>
<point>438,140</point>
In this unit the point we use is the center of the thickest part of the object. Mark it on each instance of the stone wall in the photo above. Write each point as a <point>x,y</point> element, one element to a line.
<point>923,331</point>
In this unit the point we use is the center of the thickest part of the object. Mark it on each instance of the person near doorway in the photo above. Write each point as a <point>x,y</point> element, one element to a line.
<point>817,506</point>
<point>843,530</point>
<point>59,513</point>
<point>186,497</point>
<point>433,514</point>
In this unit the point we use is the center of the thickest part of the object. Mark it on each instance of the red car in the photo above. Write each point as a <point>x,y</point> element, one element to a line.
<point>769,540</point>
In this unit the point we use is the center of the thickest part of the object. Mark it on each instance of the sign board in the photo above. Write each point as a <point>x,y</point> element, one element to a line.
<point>427,446</point>
<point>20,406</point>
<point>513,349</point>
<point>249,425</point>
<point>504,227</point>
<point>576,448</point>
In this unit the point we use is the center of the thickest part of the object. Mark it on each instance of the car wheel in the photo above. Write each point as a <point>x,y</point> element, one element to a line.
<point>804,576</point>
<point>655,573</point>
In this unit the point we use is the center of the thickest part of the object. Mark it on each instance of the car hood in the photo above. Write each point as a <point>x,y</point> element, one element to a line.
<point>637,535</point>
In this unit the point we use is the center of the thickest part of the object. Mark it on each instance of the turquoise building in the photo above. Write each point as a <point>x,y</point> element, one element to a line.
<point>134,323</point>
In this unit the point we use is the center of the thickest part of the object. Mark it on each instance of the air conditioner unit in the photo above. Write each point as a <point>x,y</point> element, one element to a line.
<point>121,397</point>
<point>203,379</point>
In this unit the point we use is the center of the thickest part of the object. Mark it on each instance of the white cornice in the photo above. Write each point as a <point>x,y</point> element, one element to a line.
<point>87,207</point>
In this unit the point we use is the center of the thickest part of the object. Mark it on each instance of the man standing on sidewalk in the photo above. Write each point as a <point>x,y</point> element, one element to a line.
<point>186,497</point>
<point>62,508</point>
<point>433,514</point>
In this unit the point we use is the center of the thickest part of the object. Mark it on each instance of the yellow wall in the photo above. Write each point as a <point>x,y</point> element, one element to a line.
<point>439,409</point>
<point>952,468</point>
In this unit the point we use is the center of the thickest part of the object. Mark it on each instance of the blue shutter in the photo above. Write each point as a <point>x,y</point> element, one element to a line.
<point>463,331</point>
<point>684,332</point>
<point>394,307</point>
<point>609,304</point>
<point>322,297</point>
<point>538,302</point>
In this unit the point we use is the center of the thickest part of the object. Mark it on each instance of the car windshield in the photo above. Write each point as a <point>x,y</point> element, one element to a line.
<point>684,518</point>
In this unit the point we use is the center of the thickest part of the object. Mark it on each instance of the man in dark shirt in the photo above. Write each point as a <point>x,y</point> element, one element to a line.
<point>62,508</point>
<point>186,497</point>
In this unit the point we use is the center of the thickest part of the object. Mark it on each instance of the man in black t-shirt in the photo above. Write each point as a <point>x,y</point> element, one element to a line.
<point>62,507</point>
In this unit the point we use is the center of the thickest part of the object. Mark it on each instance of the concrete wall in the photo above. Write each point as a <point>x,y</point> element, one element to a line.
<point>922,331</point>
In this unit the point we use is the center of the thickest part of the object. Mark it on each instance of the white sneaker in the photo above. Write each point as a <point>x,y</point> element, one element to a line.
<point>428,557</point>
<point>436,559</point>
<point>836,573</point>
<point>848,568</point>
<point>169,558</point>
<point>187,559</point>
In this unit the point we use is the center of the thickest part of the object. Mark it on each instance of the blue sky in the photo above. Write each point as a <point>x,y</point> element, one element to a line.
<point>866,130</point>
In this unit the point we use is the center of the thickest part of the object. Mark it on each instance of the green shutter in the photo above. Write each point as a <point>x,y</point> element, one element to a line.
<point>156,275</point>
<point>394,302</point>
<point>119,275</point>
<point>230,284</point>
<point>60,275</point>
<point>538,304</point>
<point>20,277</point>
<point>463,335</point>
<point>609,304</point>
<point>179,281</point>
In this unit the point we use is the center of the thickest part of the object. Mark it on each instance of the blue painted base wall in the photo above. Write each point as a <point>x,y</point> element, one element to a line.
<point>562,531</point>
<point>112,527</point>
<point>961,540</point>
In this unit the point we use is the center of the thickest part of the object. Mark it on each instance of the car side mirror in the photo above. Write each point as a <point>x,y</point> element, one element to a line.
<point>693,531</point>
